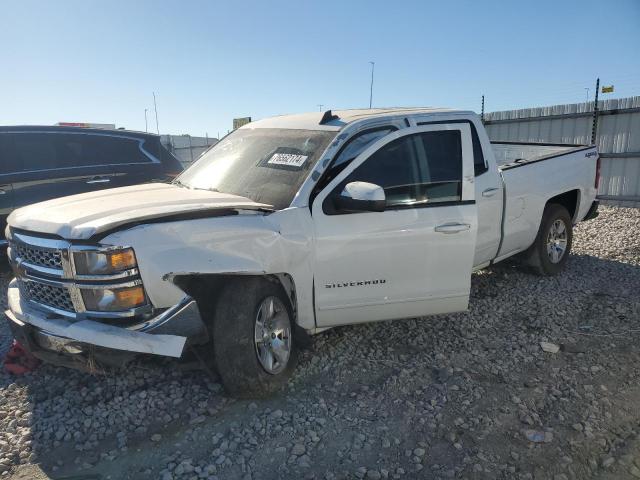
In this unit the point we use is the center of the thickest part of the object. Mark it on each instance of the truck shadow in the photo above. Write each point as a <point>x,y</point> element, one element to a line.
<point>72,422</point>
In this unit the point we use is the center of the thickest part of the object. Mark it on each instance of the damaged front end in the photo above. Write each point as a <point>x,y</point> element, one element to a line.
<point>85,306</point>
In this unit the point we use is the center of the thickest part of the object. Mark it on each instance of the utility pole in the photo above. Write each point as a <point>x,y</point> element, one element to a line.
<point>373,65</point>
<point>156,109</point>
<point>146,128</point>
<point>482,111</point>
<point>320,105</point>
<point>594,127</point>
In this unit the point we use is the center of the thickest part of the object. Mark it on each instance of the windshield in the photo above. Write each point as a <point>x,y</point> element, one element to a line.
<point>267,165</point>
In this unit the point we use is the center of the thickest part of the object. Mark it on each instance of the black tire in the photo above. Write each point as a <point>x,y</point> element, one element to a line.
<point>233,337</point>
<point>537,256</point>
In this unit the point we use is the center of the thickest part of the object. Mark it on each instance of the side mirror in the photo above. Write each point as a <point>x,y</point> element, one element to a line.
<point>360,197</point>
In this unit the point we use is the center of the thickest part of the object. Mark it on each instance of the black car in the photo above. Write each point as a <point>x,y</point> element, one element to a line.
<point>40,163</point>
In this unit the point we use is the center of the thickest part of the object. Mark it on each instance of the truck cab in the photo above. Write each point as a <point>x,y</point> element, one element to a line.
<point>287,227</point>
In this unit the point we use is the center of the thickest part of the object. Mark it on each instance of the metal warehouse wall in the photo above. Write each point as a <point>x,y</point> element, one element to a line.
<point>618,138</point>
<point>186,147</point>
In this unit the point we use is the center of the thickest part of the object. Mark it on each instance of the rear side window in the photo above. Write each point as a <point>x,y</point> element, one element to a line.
<point>479,165</point>
<point>48,151</point>
<point>106,150</point>
<point>416,170</point>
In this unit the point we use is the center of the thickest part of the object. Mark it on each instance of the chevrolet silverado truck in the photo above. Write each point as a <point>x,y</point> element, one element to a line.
<point>289,226</point>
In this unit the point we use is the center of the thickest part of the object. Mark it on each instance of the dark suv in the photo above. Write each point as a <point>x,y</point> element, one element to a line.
<point>40,163</point>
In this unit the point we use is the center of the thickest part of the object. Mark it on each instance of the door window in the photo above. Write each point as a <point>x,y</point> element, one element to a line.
<point>351,149</point>
<point>441,166</point>
<point>415,170</point>
<point>35,152</point>
<point>358,144</point>
<point>49,151</point>
<point>8,161</point>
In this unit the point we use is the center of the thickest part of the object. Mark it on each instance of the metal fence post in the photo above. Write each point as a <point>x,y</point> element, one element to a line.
<point>594,127</point>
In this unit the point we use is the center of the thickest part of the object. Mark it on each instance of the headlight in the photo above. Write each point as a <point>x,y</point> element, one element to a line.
<point>113,300</point>
<point>95,262</point>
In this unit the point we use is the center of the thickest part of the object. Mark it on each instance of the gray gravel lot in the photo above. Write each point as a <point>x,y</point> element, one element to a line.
<point>469,395</point>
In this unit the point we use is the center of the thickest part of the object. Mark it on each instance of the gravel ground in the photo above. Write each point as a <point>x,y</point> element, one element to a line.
<point>469,395</point>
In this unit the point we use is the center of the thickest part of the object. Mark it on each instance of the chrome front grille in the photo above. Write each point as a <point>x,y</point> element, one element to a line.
<point>46,274</point>
<point>50,295</point>
<point>34,255</point>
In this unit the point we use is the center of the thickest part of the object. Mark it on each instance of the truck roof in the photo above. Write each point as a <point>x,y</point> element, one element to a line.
<point>311,120</point>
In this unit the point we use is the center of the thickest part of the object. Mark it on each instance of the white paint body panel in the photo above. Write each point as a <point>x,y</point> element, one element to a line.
<point>87,214</point>
<point>489,202</point>
<point>249,244</point>
<point>413,269</point>
<point>530,186</point>
<point>425,272</point>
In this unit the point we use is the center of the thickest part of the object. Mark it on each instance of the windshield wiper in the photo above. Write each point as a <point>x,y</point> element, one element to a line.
<point>215,190</point>
<point>180,184</point>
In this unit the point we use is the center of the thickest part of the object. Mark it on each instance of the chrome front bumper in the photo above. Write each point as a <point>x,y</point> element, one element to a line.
<point>166,334</point>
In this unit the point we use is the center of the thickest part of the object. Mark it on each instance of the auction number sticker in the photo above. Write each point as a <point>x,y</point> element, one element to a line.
<point>288,159</point>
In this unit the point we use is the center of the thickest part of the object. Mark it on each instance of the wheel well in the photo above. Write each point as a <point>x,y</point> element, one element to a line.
<point>205,288</point>
<point>568,200</point>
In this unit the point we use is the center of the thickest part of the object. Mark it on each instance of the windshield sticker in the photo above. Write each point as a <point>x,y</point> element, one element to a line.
<point>288,159</point>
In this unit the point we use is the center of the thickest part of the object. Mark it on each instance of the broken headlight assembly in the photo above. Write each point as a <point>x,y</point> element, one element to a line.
<point>113,299</point>
<point>117,266</point>
<point>104,261</point>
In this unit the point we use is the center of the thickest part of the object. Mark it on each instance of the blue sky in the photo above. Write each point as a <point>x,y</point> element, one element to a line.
<point>209,62</point>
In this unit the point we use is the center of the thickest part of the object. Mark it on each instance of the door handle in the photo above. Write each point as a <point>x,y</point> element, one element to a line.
<point>490,192</point>
<point>98,180</point>
<point>449,228</point>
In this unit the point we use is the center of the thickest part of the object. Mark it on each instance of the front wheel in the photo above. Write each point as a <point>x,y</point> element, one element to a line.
<point>551,248</point>
<point>253,337</point>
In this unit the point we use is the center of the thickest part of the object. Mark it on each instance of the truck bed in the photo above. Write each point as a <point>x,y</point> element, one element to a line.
<point>513,154</point>
<point>533,173</point>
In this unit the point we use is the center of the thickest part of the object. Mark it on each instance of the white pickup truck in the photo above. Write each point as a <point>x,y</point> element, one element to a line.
<point>286,227</point>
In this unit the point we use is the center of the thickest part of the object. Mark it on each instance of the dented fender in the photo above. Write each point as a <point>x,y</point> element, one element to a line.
<point>250,243</point>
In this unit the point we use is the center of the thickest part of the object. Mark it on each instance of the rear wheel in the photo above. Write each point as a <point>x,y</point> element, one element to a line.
<point>551,248</point>
<point>253,337</point>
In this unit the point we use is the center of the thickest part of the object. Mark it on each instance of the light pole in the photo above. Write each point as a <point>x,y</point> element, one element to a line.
<point>587,89</point>
<point>146,128</point>
<point>373,65</point>
<point>156,109</point>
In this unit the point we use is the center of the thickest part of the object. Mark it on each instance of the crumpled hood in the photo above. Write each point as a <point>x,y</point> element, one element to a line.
<point>82,216</point>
